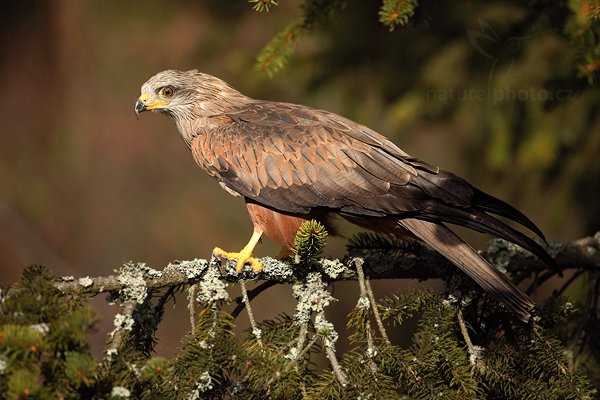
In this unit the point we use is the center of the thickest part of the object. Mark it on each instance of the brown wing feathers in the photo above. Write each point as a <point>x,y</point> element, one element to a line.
<point>295,159</point>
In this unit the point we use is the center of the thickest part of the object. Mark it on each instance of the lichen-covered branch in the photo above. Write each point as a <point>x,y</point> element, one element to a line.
<point>411,261</point>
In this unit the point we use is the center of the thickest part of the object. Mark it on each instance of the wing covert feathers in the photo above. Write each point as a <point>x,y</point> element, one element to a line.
<point>469,261</point>
<point>296,159</point>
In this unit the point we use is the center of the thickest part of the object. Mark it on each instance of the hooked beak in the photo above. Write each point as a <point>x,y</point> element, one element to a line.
<point>140,106</point>
<point>147,103</point>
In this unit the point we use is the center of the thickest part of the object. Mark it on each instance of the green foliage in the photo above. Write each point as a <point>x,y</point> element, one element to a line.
<point>263,5</point>
<point>274,373</point>
<point>485,354</point>
<point>43,340</point>
<point>23,383</point>
<point>581,28</point>
<point>369,243</point>
<point>208,358</point>
<point>584,32</point>
<point>309,241</point>
<point>397,12</point>
<point>277,52</point>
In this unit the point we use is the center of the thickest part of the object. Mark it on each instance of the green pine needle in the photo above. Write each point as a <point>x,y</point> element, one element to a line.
<point>276,54</point>
<point>263,5</point>
<point>397,12</point>
<point>309,241</point>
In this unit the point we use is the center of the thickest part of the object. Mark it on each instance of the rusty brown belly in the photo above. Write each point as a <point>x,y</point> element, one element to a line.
<point>281,227</point>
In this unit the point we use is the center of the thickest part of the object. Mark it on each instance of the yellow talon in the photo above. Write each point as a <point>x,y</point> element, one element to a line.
<point>243,257</point>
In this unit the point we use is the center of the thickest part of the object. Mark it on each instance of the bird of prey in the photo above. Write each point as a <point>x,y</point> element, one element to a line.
<point>292,163</point>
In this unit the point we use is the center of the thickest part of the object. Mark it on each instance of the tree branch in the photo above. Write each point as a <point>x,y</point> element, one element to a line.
<point>413,261</point>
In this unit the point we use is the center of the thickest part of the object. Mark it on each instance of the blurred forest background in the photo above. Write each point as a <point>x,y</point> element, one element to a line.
<point>493,91</point>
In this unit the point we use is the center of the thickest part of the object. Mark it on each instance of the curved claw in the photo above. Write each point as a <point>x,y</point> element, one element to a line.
<point>241,258</point>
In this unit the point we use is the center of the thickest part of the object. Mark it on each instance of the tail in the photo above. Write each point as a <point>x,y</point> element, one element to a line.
<point>491,204</point>
<point>480,221</point>
<point>469,261</point>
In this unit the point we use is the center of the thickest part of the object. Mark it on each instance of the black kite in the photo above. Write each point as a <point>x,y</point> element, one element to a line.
<point>292,163</point>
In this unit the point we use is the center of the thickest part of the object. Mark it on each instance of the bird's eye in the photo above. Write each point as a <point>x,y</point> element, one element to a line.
<point>167,91</point>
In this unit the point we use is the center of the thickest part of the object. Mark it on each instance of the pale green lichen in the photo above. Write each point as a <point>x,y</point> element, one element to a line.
<point>371,352</point>
<point>120,391</point>
<point>363,303</point>
<point>110,353</point>
<point>124,322</point>
<point>276,269</point>
<point>191,269</point>
<point>326,330</point>
<point>257,333</point>
<point>333,268</point>
<point>137,371</point>
<point>312,297</point>
<point>3,364</point>
<point>85,281</point>
<point>292,354</point>
<point>211,288</point>
<point>593,250</point>
<point>131,276</point>
<point>501,253</point>
<point>42,328</point>
<point>202,385</point>
<point>476,354</point>
<point>205,345</point>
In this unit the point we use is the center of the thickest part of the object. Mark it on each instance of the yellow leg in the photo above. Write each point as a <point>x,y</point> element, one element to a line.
<point>244,256</point>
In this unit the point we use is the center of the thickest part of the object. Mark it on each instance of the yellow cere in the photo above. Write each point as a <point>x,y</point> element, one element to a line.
<point>151,104</point>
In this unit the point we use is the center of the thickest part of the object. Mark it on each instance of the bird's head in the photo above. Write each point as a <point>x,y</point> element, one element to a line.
<point>185,94</point>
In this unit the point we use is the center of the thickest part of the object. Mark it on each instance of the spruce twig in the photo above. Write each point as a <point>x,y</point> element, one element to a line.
<point>364,302</point>
<point>309,241</point>
<point>191,307</point>
<point>255,330</point>
<point>474,351</point>
<point>329,336</point>
<point>298,356</point>
<point>123,324</point>
<point>302,334</point>
<point>251,295</point>
<point>463,330</point>
<point>263,5</point>
<point>376,313</point>
<point>368,293</point>
<point>335,366</point>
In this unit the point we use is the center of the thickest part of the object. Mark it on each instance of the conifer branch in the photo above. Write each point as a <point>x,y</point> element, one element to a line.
<point>255,330</point>
<point>396,12</point>
<point>329,337</point>
<point>263,5</point>
<point>251,295</point>
<point>299,354</point>
<point>365,302</point>
<point>398,261</point>
<point>123,324</point>
<point>368,292</point>
<point>302,334</point>
<point>376,313</point>
<point>275,55</point>
<point>191,307</point>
